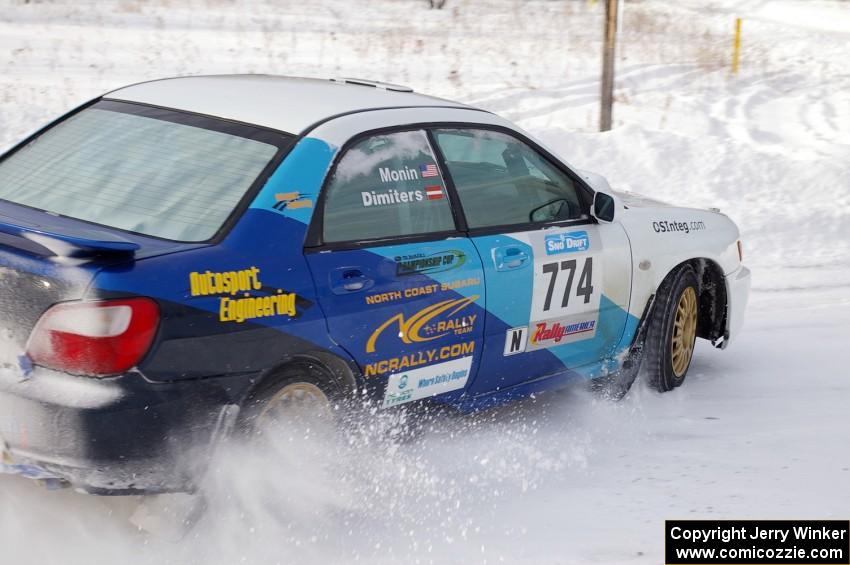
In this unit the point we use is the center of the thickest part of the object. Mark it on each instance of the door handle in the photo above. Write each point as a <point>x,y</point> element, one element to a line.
<point>510,257</point>
<point>354,283</point>
<point>349,279</point>
<point>516,261</point>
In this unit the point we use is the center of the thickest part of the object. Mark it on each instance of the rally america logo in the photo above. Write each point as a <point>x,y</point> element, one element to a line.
<point>557,332</point>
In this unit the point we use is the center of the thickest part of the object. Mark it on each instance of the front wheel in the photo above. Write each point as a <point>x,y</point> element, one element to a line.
<point>672,330</point>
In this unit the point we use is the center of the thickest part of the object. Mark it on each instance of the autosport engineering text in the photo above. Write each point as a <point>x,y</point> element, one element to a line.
<point>246,307</point>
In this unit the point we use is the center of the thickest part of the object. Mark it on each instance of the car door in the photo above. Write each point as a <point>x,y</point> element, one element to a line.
<point>558,283</point>
<point>401,288</point>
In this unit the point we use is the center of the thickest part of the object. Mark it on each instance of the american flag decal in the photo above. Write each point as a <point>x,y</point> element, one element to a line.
<point>434,192</point>
<point>428,171</point>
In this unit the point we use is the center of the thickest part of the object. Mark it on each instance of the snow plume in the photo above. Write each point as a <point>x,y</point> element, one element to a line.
<point>388,487</point>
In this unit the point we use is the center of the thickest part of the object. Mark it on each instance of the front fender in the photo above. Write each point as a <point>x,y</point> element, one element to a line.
<point>665,237</point>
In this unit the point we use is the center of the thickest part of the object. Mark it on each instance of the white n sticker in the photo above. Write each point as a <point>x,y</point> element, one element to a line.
<point>515,340</point>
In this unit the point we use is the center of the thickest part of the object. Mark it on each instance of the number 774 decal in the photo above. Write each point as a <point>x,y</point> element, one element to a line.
<point>564,287</point>
<point>565,305</point>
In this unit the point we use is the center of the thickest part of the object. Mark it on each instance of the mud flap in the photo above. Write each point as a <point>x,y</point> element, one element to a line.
<point>614,386</point>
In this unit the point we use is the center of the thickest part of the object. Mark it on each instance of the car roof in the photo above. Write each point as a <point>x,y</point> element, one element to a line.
<point>288,104</point>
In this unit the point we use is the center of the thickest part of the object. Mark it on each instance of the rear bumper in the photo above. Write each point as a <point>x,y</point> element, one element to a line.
<point>119,435</point>
<point>738,293</point>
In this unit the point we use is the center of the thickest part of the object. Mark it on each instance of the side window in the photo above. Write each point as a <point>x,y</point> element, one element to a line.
<point>387,185</point>
<point>502,181</point>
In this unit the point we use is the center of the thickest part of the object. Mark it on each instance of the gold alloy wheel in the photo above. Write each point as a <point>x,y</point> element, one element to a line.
<point>304,402</point>
<point>684,332</point>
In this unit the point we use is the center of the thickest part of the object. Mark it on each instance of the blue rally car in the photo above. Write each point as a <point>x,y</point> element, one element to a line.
<point>180,258</point>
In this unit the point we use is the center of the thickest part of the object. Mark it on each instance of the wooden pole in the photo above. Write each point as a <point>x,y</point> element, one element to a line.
<point>736,53</point>
<point>607,97</point>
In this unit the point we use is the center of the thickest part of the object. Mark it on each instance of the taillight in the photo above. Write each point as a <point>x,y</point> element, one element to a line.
<point>99,338</point>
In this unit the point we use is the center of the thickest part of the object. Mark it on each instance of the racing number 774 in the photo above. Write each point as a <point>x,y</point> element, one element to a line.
<point>585,281</point>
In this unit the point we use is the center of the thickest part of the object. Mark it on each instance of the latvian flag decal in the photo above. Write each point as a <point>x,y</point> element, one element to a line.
<point>434,192</point>
<point>428,170</point>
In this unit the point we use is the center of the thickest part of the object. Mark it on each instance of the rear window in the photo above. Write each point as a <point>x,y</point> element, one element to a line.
<point>145,170</point>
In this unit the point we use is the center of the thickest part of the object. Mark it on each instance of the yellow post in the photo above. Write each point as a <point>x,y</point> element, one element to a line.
<point>736,55</point>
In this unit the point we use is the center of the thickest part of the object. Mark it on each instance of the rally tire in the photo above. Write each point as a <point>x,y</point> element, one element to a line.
<point>672,330</point>
<point>302,386</point>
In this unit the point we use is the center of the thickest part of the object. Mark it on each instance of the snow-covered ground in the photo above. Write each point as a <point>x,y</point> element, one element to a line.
<point>760,430</point>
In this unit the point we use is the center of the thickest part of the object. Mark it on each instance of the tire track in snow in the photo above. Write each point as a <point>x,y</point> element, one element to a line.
<point>802,123</point>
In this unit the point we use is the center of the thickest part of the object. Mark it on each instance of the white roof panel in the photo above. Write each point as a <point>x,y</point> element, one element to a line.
<point>283,103</point>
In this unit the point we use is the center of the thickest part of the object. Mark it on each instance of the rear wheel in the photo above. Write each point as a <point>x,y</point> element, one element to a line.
<point>672,330</point>
<point>298,401</point>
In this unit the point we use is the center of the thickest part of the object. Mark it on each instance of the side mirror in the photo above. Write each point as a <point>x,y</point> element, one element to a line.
<point>603,207</point>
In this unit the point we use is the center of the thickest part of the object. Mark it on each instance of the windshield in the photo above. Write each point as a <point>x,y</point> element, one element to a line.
<point>141,169</point>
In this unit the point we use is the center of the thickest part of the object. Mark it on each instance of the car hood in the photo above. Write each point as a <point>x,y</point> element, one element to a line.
<point>628,198</point>
<point>635,200</point>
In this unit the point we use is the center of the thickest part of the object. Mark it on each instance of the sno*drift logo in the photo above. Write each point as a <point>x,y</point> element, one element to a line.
<point>567,242</point>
